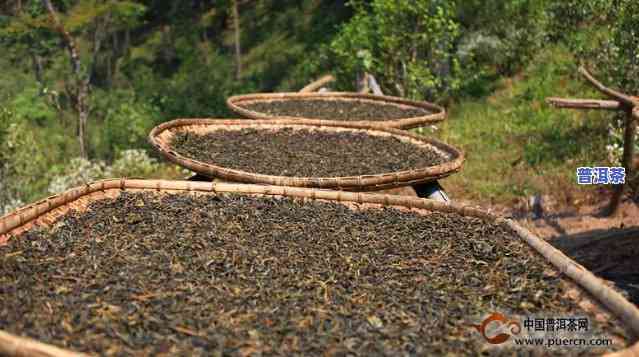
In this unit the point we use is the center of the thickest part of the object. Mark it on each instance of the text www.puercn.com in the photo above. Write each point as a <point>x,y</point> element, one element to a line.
<point>560,342</point>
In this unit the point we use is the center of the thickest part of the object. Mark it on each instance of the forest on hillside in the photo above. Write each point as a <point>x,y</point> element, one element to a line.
<point>84,81</point>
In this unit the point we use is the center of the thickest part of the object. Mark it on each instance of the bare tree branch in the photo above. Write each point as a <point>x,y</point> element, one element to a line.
<point>584,103</point>
<point>623,98</point>
<point>68,39</point>
<point>313,86</point>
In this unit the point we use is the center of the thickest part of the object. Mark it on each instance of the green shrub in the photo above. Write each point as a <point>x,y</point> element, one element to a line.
<point>617,58</point>
<point>198,88</point>
<point>126,123</point>
<point>616,62</point>
<point>408,46</point>
<point>29,104</point>
<point>22,162</point>
<point>504,35</point>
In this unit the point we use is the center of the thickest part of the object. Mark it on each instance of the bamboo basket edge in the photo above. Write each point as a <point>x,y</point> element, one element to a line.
<point>612,300</point>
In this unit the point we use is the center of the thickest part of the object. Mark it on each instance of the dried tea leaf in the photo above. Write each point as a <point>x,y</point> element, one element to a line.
<point>304,152</point>
<point>178,274</point>
<point>348,110</point>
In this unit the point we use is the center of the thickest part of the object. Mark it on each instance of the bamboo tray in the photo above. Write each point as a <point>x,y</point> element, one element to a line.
<point>161,136</point>
<point>437,113</point>
<point>46,212</point>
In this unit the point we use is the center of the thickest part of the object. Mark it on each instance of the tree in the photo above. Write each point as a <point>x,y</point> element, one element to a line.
<point>98,18</point>
<point>25,35</point>
<point>82,80</point>
<point>507,41</point>
<point>407,45</point>
<point>617,60</point>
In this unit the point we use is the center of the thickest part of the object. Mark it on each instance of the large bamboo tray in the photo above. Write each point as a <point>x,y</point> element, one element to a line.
<point>438,114</point>
<point>160,137</point>
<point>48,211</point>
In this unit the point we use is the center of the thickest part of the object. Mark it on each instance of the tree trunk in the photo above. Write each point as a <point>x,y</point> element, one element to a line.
<point>38,71</point>
<point>112,58</point>
<point>632,115</point>
<point>127,40</point>
<point>238,49</point>
<point>83,116</point>
<point>81,79</point>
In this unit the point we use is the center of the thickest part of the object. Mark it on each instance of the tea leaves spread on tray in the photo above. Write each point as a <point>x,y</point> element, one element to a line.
<point>304,153</point>
<point>181,274</point>
<point>347,110</point>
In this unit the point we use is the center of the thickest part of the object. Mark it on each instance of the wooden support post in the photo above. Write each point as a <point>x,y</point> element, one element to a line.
<point>368,83</point>
<point>317,84</point>
<point>362,84</point>
<point>372,84</point>
<point>620,101</point>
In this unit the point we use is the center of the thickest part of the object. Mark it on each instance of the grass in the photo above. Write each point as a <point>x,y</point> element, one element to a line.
<point>516,145</point>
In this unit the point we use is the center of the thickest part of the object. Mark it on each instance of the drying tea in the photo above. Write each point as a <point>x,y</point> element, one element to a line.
<point>179,274</point>
<point>304,152</point>
<point>347,110</point>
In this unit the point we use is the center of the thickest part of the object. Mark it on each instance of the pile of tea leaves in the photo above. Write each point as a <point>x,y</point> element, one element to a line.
<point>304,152</point>
<point>347,110</point>
<point>178,274</point>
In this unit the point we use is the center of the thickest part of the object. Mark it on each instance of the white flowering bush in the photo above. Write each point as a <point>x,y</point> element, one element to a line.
<point>134,163</point>
<point>615,146</point>
<point>11,205</point>
<point>8,203</point>
<point>129,163</point>
<point>79,171</point>
<point>479,45</point>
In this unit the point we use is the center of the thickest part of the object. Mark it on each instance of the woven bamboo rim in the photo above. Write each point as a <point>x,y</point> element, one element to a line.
<point>160,138</point>
<point>438,113</point>
<point>45,212</point>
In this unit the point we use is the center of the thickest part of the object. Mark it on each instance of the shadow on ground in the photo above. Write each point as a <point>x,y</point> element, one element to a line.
<point>611,254</point>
